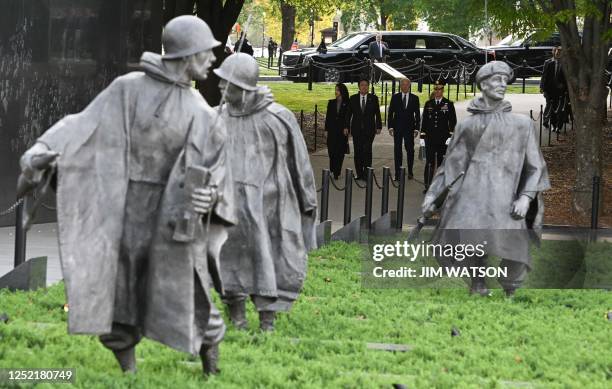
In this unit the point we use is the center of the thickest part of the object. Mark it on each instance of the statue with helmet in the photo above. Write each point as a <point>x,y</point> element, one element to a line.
<point>265,255</point>
<point>492,180</point>
<point>144,200</point>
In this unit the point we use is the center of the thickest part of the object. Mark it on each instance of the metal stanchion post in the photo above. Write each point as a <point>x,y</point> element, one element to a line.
<point>400,199</point>
<point>541,113</point>
<point>595,203</point>
<point>310,75</point>
<point>348,195</point>
<point>302,120</point>
<point>384,204</point>
<point>324,195</point>
<point>20,233</point>
<point>315,127</point>
<point>368,198</point>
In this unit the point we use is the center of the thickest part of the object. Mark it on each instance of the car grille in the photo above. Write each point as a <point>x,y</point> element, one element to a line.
<point>291,60</point>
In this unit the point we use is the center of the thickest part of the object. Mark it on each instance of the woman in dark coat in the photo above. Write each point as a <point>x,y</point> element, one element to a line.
<point>337,140</point>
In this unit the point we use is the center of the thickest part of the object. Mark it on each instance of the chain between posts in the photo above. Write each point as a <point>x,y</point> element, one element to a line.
<point>12,208</point>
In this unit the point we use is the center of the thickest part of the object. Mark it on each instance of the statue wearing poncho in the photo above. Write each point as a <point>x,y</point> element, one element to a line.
<point>120,195</point>
<point>266,252</point>
<point>499,196</point>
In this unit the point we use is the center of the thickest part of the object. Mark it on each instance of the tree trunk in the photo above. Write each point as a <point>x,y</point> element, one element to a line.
<point>173,8</point>
<point>220,18</point>
<point>584,61</point>
<point>383,16</point>
<point>288,25</point>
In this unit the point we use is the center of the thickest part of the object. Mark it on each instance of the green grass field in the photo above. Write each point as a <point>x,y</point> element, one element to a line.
<point>296,96</point>
<point>539,339</point>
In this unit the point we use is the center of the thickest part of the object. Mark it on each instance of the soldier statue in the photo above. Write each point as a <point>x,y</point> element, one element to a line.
<point>496,156</point>
<point>140,172</point>
<point>265,255</point>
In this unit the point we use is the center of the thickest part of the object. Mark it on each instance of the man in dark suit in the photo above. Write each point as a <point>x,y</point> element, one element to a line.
<point>363,122</point>
<point>378,49</point>
<point>554,88</point>
<point>438,124</point>
<point>404,121</point>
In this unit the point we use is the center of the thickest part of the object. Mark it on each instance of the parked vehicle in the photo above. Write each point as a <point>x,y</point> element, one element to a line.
<point>344,59</point>
<point>531,49</point>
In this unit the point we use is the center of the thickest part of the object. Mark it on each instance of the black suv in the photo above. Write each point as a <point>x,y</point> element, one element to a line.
<point>533,51</point>
<point>530,49</point>
<point>345,59</point>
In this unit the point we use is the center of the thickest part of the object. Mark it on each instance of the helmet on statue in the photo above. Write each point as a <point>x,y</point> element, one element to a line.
<point>187,35</point>
<point>241,70</point>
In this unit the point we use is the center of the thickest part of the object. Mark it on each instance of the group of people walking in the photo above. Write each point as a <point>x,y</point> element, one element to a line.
<point>358,116</point>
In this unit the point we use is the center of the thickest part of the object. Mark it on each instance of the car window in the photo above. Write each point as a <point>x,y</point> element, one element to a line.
<point>440,43</point>
<point>511,40</point>
<point>419,43</point>
<point>349,41</point>
<point>399,42</point>
<point>465,43</point>
<point>553,40</point>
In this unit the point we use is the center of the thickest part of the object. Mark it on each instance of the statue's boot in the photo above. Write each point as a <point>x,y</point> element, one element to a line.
<point>210,358</point>
<point>266,320</point>
<point>237,311</point>
<point>509,292</point>
<point>479,287</point>
<point>126,359</point>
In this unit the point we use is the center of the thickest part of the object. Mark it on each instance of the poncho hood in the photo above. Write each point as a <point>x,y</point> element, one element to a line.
<point>153,66</point>
<point>263,98</point>
<point>478,106</point>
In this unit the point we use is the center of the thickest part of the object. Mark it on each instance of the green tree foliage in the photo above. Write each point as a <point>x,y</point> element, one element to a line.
<point>381,14</point>
<point>460,17</point>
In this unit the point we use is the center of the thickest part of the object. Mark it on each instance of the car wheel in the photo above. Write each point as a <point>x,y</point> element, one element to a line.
<point>331,75</point>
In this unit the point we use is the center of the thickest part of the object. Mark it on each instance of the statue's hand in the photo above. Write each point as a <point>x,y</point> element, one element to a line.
<point>35,161</point>
<point>520,207</point>
<point>428,208</point>
<point>203,199</point>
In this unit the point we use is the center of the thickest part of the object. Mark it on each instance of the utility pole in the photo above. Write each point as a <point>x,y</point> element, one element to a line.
<point>486,29</point>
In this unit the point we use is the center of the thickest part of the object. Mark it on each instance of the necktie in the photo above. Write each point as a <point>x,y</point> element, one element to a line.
<point>380,48</point>
<point>556,68</point>
<point>363,103</point>
<point>404,100</point>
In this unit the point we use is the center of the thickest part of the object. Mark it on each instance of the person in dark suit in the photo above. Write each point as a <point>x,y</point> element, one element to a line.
<point>246,45</point>
<point>437,126</point>
<point>378,49</point>
<point>554,88</point>
<point>363,122</point>
<point>404,121</point>
<point>335,121</point>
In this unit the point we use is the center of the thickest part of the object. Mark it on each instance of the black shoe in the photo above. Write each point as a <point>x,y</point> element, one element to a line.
<point>425,191</point>
<point>126,359</point>
<point>210,358</point>
<point>237,311</point>
<point>336,176</point>
<point>396,178</point>
<point>266,320</point>
<point>410,176</point>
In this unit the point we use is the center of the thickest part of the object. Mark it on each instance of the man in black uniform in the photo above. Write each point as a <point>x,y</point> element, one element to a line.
<point>438,124</point>
<point>554,88</point>
<point>404,123</point>
<point>363,120</point>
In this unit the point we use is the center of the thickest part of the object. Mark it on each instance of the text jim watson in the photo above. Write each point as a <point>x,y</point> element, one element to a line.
<point>431,272</point>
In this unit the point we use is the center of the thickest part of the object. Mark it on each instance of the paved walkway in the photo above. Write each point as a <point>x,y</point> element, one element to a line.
<point>383,156</point>
<point>42,238</point>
